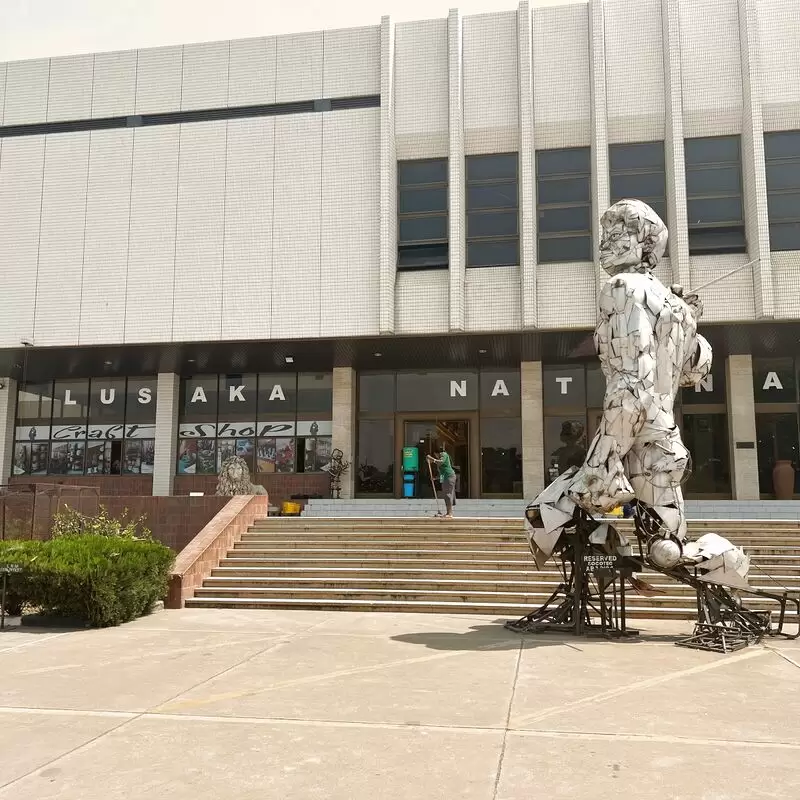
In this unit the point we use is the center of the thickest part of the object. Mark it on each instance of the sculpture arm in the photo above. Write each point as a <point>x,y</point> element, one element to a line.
<point>697,364</point>
<point>626,348</point>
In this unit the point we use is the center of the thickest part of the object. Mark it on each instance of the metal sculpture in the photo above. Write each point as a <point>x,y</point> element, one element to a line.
<point>649,348</point>
<point>336,468</point>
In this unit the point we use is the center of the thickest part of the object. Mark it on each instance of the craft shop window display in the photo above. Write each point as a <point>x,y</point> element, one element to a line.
<point>276,422</point>
<point>102,426</point>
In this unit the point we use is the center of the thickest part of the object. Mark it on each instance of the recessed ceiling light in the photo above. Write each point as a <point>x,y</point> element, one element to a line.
<point>482,352</point>
<point>377,355</point>
<point>289,359</point>
<point>108,363</point>
<point>190,361</point>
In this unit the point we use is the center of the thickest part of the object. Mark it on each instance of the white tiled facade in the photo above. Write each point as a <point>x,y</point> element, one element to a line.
<point>174,226</point>
<point>198,232</point>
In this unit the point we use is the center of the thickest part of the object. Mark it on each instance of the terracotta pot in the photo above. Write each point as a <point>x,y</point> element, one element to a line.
<point>783,480</point>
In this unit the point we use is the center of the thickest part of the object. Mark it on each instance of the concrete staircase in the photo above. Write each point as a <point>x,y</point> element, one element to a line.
<point>514,509</point>
<point>471,566</point>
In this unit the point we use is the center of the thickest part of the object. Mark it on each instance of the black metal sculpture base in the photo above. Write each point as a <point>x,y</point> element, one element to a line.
<point>591,599</point>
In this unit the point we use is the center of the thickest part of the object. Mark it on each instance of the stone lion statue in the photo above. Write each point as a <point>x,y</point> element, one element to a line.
<point>234,478</point>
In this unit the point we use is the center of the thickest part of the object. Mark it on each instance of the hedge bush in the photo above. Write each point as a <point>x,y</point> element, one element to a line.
<point>104,580</point>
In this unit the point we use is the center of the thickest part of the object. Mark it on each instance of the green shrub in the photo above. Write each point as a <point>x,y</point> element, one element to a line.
<point>105,580</point>
<point>69,522</point>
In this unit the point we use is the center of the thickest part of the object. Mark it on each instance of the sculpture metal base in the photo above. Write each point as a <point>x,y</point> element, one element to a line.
<point>591,600</point>
<point>720,638</point>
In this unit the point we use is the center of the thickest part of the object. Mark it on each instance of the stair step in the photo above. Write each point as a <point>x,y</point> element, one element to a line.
<point>435,584</point>
<point>365,573</point>
<point>687,612</point>
<point>531,597</point>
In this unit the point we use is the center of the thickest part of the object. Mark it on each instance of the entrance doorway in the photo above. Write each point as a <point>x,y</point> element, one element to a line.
<point>426,434</point>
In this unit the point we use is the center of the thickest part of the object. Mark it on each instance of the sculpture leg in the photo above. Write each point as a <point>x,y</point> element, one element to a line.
<point>657,467</point>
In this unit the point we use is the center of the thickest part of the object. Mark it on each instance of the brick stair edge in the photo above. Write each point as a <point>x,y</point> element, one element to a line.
<point>204,553</point>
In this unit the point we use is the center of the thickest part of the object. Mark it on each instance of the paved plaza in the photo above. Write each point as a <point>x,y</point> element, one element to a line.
<point>247,705</point>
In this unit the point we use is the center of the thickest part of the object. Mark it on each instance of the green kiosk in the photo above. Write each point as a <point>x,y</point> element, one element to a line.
<point>410,471</point>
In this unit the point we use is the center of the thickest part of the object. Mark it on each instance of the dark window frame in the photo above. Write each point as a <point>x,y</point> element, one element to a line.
<point>655,201</point>
<point>483,211</point>
<point>553,177</point>
<point>408,248</point>
<point>791,223</point>
<point>734,227</point>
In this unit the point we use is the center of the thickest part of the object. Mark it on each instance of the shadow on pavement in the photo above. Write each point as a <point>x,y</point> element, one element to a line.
<point>479,637</point>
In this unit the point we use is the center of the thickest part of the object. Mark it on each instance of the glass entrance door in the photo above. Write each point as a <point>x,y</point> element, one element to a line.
<point>454,435</point>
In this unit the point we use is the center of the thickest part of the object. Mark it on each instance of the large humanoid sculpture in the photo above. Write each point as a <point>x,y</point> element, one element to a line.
<point>649,348</point>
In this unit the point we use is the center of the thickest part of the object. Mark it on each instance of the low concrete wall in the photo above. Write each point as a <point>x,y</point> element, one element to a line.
<point>209,547</point>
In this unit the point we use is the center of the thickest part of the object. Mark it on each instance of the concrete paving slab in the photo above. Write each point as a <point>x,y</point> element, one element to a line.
<point>581,767</point>
<point>364,679</point>
<point>305,705</point>
<point>30,741</point>
<point>594,668</point>
<point>740,697</point>
<point>124,669</point>
<point>216,760</point>
<point>248,621</point>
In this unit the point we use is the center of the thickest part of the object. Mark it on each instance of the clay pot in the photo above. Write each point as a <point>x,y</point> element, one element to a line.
<point>783,480</point>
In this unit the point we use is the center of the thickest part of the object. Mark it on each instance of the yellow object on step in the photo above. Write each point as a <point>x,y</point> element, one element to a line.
<point>290,509</point>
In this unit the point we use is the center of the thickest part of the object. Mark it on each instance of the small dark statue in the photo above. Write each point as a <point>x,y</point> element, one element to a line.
<point>336,468</point>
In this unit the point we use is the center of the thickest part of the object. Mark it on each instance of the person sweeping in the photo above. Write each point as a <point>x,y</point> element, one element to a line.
<point>447,478</point>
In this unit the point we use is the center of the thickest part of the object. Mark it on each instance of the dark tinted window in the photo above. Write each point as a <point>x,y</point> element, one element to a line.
<point>492,168</point>
<point>564,204</point>
<point>637,172</point>
<point>492,210</point>
<point>376,392</point>
<point>714,195</point>
<point>422,214</point>
<point>782,152</point>
<point>416,172</point>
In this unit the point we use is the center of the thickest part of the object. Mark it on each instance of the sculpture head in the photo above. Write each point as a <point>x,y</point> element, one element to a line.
<point>234,477</point>
<point>634,238</point>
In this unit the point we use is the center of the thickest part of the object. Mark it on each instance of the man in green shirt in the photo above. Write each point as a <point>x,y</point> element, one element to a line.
<point>447,477</point>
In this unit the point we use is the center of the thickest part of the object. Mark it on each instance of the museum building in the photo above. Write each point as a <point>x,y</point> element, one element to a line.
<point>387,237</point>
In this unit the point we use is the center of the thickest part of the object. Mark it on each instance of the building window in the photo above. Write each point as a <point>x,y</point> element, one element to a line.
<point>714,195</point>
<point>637,173</point>
<point>564,204</point>
<point>422,214</point>
<point>782,153</point>
<point>492,210</point>
<point>275,422</point>
<point>102,426</point>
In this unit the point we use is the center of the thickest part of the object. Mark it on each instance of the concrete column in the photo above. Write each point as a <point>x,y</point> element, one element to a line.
<point>754,171</point>
<point>8,400</point>
<point>527,168</point>
<point>742,427</point>
<point>388,206</point>
<point>166,433</point>
<point>675,162</point>
<point>456,174</point>
<point>601,181</point>
<point>344,423</point>
<point>532,428</point>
